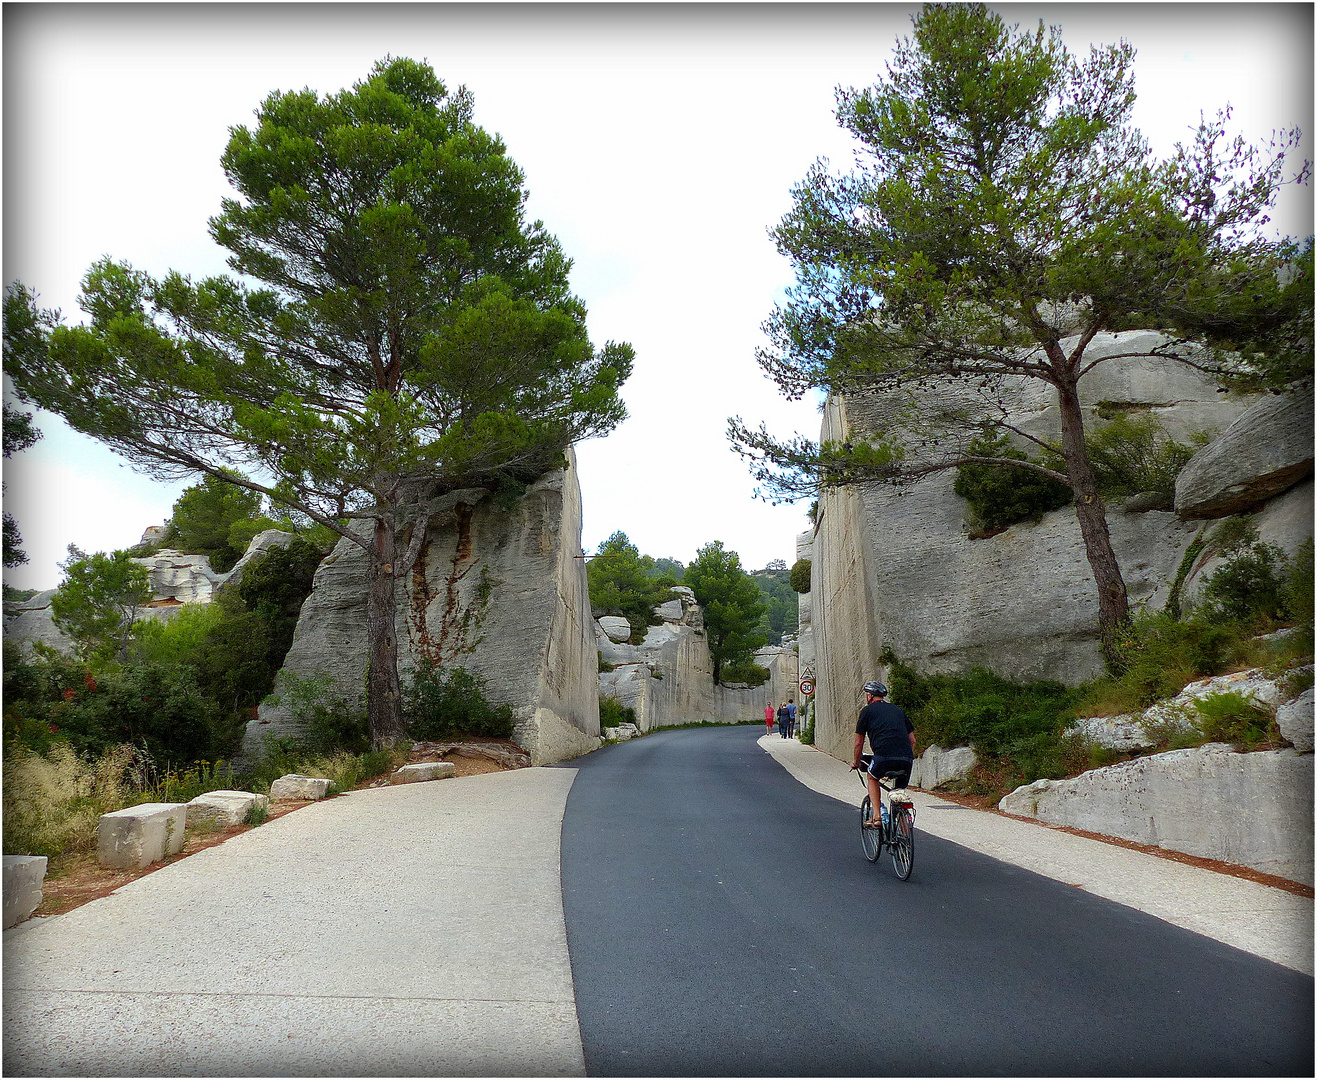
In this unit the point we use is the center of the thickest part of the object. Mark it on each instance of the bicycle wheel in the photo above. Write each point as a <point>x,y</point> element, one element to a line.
<point>902,842</point>
<point>870,839</point>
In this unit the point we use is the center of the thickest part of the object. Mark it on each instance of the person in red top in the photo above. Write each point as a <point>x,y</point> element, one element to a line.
<point>768,717</point>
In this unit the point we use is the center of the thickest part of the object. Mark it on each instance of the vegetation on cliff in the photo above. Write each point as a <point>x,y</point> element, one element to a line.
<point>1003,213</point>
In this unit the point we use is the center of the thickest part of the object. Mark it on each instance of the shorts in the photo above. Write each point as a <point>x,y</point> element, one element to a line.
<point>880,767</point>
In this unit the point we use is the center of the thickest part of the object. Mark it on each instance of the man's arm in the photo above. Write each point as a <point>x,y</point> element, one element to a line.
<point>859,745</point>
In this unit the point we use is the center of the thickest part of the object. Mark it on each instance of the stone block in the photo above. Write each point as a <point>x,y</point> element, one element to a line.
<point>1294,719</point>
<point>297,786</point>
<point>226,807</point>
<point>137,836</point>
<point>935,766</point>
<point>616,627</point>
<point>22,886</point>
<point>424,770</point>
<point>622,732</point>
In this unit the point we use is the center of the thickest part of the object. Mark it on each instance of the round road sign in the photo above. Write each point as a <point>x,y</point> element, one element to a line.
<point>806,687</point>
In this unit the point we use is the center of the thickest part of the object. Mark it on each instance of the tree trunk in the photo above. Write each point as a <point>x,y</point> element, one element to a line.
<point>383,690</point>
<point>1113,603</point>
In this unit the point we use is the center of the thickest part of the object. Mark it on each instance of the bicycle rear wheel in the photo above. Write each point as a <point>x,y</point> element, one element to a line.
<point>902,842</point>
<point>871,840</point>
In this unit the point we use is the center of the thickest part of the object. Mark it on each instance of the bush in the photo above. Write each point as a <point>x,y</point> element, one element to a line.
<point>1250,584</point>
<point>1001,495</point>
<point>1233,718</point>
<point>54,802</point>
<point>439,705</point>
<point>1157,655</point>
<point>800,575</point>
<point>330,724</point>
<point>1298,597</point>
<point>747,672</point>
<point>612,713</point>
<point>1132,453</point>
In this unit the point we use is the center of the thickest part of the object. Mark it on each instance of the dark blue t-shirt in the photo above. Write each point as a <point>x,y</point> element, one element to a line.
<point>888,729</point>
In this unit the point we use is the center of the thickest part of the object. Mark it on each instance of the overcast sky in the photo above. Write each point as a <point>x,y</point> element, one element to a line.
<point>659,144</point>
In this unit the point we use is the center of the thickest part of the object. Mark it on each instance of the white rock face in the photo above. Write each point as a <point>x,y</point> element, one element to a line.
<point>622,732</point>
<point>668,679</point>
<point>896,567</point>
<point>262,544</point>
<point>297,786</point>
<point>935,766</point>
<point>1253,685</point>
<point>1252,810</point>
<point>23,878</point>
<point>225,807</point>
<point>178,578</point>
<point>616,627</point>
<point>1266,450</point>
<point>1124,732</point>
<point>497,592</point>
<point>1294,719</point>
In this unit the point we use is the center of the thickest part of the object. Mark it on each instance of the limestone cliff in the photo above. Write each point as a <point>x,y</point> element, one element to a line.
<point>500,592</point>
<point>668,679</point>
<point>898,568</point>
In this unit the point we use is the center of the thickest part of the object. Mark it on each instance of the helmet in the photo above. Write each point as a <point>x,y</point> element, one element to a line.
<point>876,689</point>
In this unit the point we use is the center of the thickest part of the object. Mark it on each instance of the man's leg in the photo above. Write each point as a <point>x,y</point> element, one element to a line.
<point>875,796</point>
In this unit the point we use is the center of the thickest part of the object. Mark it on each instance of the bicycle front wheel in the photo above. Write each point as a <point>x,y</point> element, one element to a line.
<point>871,840</point>
<point>903,842</point>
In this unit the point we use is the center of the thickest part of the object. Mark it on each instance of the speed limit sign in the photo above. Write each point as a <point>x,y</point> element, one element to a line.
<point>806,687</point>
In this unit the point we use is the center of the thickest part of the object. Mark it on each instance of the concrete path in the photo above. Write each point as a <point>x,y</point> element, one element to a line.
<point>1259,919</point>
<point>403,931</point>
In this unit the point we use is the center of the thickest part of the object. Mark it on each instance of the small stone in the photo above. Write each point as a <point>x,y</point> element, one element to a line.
<point>23,876</point>
<point>425,770</point>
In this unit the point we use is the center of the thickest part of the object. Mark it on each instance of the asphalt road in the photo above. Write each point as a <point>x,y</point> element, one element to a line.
<point>722,922</point>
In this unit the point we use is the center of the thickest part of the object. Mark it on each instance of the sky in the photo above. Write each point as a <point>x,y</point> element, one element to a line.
<point>659,143</point>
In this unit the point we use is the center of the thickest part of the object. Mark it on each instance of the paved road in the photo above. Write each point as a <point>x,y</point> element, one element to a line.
<point>721,921</point>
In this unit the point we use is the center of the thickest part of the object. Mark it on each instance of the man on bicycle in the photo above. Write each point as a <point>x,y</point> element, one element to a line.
<point>891,738</point>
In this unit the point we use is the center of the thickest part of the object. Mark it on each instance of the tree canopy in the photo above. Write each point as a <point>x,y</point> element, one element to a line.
<point>399,331</point>
<point>1002,214</point>
<point>623,582</point>
<point>730,601</point>
<point>97,602</point>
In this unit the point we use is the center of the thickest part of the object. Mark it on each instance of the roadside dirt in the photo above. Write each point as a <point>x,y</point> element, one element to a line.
<point>77,879</point>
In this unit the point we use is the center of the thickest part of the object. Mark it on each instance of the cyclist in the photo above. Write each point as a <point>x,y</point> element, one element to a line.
<point>891,738</point>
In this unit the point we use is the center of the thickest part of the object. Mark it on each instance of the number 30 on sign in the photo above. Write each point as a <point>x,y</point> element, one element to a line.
<point>806,687</point>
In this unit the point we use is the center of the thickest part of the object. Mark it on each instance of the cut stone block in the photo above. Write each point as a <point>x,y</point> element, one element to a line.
<point>425,770</point>
<point>297,786</point>
<point>226,807</point>
<point>137,836</point>
<point>23,877</point>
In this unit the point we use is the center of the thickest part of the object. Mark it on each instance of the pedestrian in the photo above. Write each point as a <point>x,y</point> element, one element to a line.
<point>782,720</point>
<point>768,717</point>
<point>791,718</point>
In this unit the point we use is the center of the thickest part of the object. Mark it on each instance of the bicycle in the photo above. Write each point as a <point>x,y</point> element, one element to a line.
<point>897,833</point>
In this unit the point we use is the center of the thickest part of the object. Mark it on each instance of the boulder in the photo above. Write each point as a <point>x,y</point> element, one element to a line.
<point>1124,732</point>
<point>616,627</point>
<point>32,621</point>
<point>262,544</point>
<point>935,766</point>
<point>225,807</point>
<point>178,578</point>
<point>23,877</point>
<point>497,590</point>
<point>137,836</point>
<point>1267,449</point>
<point>622,732</point>
<point>1179,710</point>
<point>510,757</point>
<point>1294,719</point>
<point>1147,500</point>
<point>1252,809</point>
<point>424,770</point>
<point>297,786</point>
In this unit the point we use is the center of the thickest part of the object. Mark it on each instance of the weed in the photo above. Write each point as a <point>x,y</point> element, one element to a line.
<point>1232,717</point>
<point>259,813</point>
<point>612,713</point>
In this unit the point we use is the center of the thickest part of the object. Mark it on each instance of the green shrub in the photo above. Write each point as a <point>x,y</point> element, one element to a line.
<point>1001,495</point>
<point>1233,718</point>
<point>439,705</point>
<point>330,724</point>
<point>1132,453</point>
<point>612,713</point>
<point>800,575</point>
<point>1297,602</point>
<point>1248,585</point>
<point>1157,655</point>
<point>747,672</point>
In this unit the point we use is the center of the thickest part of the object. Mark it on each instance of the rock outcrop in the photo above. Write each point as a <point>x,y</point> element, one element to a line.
<point>1252,810</point>
<point>499,592</point>
<point>896,567</point>
<point>935,766</point>
<point>1267,450</point>
<point>668,679</point>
